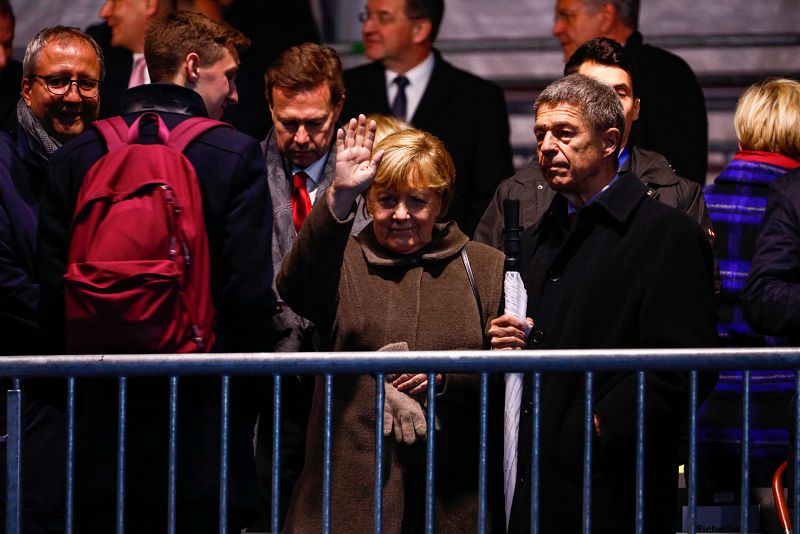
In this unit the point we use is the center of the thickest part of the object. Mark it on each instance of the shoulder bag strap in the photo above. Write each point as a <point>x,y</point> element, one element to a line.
<point>474,286</point>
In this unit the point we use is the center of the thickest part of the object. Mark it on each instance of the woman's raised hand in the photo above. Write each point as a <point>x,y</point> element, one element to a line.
<point>356,166</point>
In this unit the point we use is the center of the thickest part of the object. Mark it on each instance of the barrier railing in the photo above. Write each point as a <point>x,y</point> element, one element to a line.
<point>329,364</point>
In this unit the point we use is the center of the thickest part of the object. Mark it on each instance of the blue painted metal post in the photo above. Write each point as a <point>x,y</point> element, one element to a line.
<point>690,475</point>
<point>588,436</point>
<point>640,444</point>
<point>172,473</point>
<point>121,439</point>
<point>745,497</point>
<point>536,486</point>
<point>326,461</point>
<point>430,463</point>
<point>276,453</point>
<point>483,459</point>
<point>69,517</point>
<point>14,459</point>
<point>223,455</point>
<point>380,392</point>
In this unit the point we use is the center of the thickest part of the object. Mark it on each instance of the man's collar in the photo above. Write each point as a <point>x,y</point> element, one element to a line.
<point>622,196</point>
<point>573,209</point>
<point>167,97</point>
<point>418,75</point>
<point>315,170</point>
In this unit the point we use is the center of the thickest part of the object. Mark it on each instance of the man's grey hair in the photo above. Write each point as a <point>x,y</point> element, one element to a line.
<point>57,34</point>
<point>598,103</point>
<point>627,10</point>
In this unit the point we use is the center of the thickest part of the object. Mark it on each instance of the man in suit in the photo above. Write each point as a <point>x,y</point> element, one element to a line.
<point>193,62</point>
<point>409,79</point>
<point>10,69</point>
<point>305,91</point>
<point>672,120</point>
<point>606,267</point>
<point>122,40</point>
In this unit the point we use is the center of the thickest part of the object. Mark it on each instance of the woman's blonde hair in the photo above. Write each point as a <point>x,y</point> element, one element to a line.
<point>768,117</point>
<point>387,125</point>
<point>414,153</point>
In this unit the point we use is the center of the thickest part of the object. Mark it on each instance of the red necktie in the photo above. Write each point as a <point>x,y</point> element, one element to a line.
<point>301,202</point>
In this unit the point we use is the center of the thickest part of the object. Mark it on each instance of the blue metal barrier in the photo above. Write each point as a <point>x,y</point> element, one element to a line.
<point>330,364</point>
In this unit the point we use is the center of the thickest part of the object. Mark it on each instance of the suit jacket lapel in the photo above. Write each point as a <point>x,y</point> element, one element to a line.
<point>437,93</point>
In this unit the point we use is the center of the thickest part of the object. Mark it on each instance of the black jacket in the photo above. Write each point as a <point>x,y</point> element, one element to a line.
<point>672,120</point>
<point>466,112</point>
<point>22,172</point>
<point>772,294</point>
<point>630,273</point>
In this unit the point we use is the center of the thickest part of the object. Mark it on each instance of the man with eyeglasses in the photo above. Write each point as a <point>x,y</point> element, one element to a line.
<point>62,70</point>
<point>408,78</point>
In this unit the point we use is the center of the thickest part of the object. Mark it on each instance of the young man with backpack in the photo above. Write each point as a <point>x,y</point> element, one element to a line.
<point>225,300</point>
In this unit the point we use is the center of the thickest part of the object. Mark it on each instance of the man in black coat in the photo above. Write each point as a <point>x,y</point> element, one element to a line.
<point>466,112</point>
<point>10,69</point>
<point>607,61</point>
<point>673,119</point>
<point>238,219</point>
<point>606,267</point>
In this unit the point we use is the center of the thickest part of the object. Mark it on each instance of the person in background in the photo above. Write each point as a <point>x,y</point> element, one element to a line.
<point>305,91</point>
<point>392,284</point>
<point>62,70</point>
<point>762,181</point>
<point>408,78</point>
<point>672,120</point>
<point>10,68</point>
<point>122,38</point>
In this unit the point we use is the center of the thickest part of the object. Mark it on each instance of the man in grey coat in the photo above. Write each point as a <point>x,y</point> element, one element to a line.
<point>305,91</point>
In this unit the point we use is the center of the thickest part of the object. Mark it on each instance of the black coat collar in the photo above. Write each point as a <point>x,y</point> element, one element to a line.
<point>164,97</point>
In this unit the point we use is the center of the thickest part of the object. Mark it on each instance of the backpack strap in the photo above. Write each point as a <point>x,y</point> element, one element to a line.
<point>114,131</point>
<point>187,131</point>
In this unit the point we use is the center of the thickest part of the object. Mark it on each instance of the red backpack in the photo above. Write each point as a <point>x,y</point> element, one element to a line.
<point>137,276</point>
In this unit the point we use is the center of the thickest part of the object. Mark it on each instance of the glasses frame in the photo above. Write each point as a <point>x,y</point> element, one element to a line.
<point>81,91</point>
<point>364,15</point>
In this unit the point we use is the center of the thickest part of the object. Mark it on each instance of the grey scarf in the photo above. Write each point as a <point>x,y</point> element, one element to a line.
<point>41,142</point>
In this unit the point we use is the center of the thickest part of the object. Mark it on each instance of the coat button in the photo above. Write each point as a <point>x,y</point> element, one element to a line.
<point>538,336</point>
<point>521,480</point>
<point>554,275</point>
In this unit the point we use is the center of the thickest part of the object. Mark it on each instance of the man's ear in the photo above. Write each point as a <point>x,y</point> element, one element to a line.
<point>611,140</point>
<point>26,88</point>
<point>637,106</point>
<point>421,30</point>
<point>189,71</point>
<point>608,18</point>
<point>151,8</point>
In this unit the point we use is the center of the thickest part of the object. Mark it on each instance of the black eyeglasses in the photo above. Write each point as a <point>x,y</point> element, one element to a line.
<point>60,85</point>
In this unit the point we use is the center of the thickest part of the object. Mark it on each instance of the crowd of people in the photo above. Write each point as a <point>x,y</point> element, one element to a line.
<point>140,213</point>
